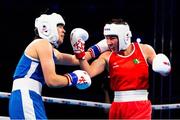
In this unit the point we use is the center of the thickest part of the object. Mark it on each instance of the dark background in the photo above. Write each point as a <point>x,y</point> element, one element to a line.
<point>154,21</point>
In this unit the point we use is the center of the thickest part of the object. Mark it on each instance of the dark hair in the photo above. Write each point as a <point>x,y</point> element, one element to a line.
<point>36,33</point>
<point>117,21</point>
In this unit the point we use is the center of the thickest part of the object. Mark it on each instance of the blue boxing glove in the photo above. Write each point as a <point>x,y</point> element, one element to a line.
<point>98,48</point>
<point>80,79</point>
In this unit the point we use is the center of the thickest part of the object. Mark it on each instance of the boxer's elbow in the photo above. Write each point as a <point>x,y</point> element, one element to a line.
<point>50,80</point>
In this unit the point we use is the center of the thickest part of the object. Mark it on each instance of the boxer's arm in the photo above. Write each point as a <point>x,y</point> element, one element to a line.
<point>69,59</point>
<point>149,52</point>
<point>96,67</point>
<point>160,62</point>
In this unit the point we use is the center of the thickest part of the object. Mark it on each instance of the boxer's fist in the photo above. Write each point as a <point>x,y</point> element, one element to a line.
<point>98,48</point>
<point>79,78</point>
<point>78,37</point>
<point>161,64</point>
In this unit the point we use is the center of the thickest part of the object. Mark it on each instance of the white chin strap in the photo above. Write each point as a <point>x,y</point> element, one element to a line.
<point>47,27</point>
<point>121,31</point>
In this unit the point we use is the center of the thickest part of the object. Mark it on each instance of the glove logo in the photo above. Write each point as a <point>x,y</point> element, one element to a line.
<point>79,45</point>
<point>167,63</point>
<point>82,83</point>
<point>82,80</point>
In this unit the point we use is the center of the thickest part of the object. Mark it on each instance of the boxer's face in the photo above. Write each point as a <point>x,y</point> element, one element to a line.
<point>112,42</point>
<point>61,33</point>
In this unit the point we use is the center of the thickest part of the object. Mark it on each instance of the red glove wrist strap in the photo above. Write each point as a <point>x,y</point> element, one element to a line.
<point>80,55</point>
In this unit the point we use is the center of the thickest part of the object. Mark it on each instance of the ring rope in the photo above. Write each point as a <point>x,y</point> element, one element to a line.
<point>66,101</point>
<point>92,104</point>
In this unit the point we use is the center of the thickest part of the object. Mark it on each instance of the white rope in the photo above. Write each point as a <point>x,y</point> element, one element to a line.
<point>92,104</point>
<point>166,106</point>
<point>4,118</point>
<point>66,101</point>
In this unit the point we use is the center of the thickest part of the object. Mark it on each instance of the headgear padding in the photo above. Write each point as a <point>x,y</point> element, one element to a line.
<point>121,31</point>
<point>47,27</point>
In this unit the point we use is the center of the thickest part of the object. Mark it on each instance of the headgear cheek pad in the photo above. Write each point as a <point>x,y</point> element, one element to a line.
<point>121,31</point>
<point>47,27</point>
